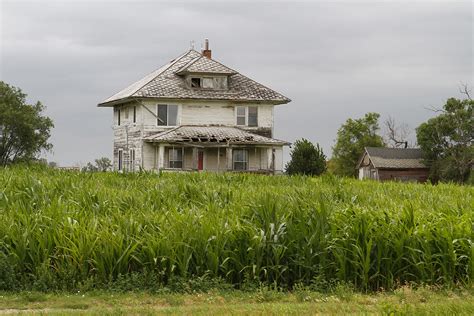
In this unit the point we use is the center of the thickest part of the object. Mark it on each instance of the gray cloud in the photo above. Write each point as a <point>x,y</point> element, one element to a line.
<point>335,60</point>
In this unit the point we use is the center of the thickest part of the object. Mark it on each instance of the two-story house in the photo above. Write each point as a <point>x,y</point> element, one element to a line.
<point>194,113</point>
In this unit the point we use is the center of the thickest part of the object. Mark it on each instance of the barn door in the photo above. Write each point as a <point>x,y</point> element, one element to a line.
<point>200,160</point>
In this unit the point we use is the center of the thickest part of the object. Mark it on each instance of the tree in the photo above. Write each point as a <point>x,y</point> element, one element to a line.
<point>24,130</point>
<point>306,159</point>
<point>352,137</point>
<point>447,141</point>
<point>103,164</point>
<point>396,136</point>
<point>90,167</point>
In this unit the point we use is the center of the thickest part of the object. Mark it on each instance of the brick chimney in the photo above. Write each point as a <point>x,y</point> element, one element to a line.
<point>206,51</point>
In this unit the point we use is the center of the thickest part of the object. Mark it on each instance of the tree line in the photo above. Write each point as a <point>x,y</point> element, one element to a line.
<point>446,139</point>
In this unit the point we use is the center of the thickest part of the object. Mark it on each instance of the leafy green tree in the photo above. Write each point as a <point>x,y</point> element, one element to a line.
<point>24,130</point>
<point>352,137</point>
<point>103,164</point>
<point>306,159</point>
<point>447,141</point>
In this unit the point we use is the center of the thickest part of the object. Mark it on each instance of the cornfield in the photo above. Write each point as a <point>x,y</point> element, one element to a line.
<point>70,228</point>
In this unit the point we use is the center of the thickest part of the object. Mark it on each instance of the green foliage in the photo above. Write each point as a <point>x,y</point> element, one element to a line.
<point>24,131</point>
<point>306,159</point>
<point>352,137</point>
<point>66,230</point>
<point>447,141</point>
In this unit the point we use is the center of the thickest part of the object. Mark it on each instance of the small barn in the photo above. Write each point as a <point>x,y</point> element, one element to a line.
<point>401,164</point>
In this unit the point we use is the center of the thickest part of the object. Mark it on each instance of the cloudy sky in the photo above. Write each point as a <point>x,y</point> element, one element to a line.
<point>334,59</point>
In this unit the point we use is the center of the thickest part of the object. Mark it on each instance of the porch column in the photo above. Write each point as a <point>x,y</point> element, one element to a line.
<point>218,159</point>
<point>195,158</point>
<point>228,155</point>
<point>161,156</point>
<point>270,159</point>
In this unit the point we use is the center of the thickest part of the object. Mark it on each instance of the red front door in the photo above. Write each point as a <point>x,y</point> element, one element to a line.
<point>200,160</point>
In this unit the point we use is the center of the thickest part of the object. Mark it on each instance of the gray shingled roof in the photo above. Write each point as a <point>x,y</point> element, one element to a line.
<point>166,83</point>
<point>212,135</point>
<point>203,64</point>
<point>396,158</point>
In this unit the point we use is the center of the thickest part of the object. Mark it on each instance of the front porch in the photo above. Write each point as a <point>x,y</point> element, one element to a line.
<point>176,157</point>
<point>214,148</point>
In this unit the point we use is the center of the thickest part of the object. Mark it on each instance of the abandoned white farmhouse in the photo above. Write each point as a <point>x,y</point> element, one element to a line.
<point>194,113</point>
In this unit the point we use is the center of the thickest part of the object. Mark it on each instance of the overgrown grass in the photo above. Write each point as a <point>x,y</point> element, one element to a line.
<point>66,231</point>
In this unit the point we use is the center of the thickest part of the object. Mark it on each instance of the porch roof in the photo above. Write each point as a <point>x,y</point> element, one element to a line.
<point>213,135</point>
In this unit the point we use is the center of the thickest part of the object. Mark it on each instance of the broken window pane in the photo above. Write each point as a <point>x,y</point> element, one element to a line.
<point>162,119</point>
<point>195,82</point>
<point>253,116</point>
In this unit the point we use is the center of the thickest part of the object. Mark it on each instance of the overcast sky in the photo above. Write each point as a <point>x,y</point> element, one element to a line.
<point>334,59</point>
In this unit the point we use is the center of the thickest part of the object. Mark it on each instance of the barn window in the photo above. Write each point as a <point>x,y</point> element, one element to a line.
<point>134,114</point>
<point>176,158</point>
<point>241,115</point>
<point>120,160</point>
<point>118,117</point>
<point>167,115</point>
<point>240,159</point>
<point>195,82</point>
<point>252,116</point>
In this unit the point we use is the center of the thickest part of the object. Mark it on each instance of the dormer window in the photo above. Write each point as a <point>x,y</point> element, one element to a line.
<point>195,82</point>
<point>208,83</point>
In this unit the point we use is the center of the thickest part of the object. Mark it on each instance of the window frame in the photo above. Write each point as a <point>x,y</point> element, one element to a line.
<point>120,160</point>
<point>167,115</point>
<point>245,161</point>
<point>246,117</point>
<point>172,162</point>
<point>193,79</point>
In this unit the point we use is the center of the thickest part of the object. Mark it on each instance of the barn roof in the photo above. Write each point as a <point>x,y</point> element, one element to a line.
<point>208,135</point>
<point>394,158</point>
<point>167,82</point>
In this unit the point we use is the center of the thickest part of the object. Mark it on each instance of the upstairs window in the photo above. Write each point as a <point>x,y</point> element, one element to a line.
<point>167,115</point>
<point>134,114</point>
<point>247,116</point>
<point>241,115</point>
<point>240,159</point>
<point>176,158</point>
<point>195,82</point>
<point>118,117</point>
<point>252,116</point>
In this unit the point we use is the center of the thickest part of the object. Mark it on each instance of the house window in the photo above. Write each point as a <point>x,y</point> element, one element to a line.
<point>195,82</point>
<point>247,116</point>
<point>208,83</point>
<point>240,159</point>
<point>252,116</point>
<point>176,158</point>
<point>120,160</point>
<point>167,115</point>
<point>134,114</point>
<point>118,117</point>
<point>241,115</point>
<point>132,160</point>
